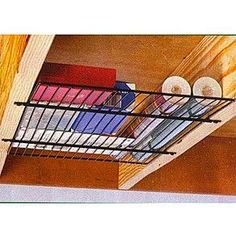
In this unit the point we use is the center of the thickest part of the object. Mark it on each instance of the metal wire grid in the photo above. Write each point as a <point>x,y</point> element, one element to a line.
<point>45,128</point>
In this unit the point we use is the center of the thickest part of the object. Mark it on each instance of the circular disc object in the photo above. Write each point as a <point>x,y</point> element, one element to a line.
<point>207,87</point>
<point>176,85</point>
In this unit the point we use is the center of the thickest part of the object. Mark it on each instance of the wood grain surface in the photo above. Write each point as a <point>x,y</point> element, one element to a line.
<point>144,60</point>
<point>11,51</point>
<point>59,172</point>
<point>211,171</point>
<point>22,84</point>
<point>214,56</point>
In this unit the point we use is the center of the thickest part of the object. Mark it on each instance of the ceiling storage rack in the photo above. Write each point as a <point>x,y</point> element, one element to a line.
<point>93,123</point>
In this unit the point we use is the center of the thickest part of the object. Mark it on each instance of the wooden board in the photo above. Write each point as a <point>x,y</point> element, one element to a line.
<point>59,172</point>
<point>143,60</point>
<point>214,56</point>
<point>29,67</point>
<point>11,51</point>
<point>208,172</point>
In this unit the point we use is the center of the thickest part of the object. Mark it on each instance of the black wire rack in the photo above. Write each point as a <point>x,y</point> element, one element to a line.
<point>110,125</point>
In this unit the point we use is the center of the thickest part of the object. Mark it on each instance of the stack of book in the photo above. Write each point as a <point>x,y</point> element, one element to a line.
<point>97,122</point>
<point>93,89</point>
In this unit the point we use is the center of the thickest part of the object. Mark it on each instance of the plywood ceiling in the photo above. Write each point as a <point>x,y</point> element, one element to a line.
<point>144,60</point>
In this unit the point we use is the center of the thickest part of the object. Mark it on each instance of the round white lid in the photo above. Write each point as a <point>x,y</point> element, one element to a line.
<point>207,87</point>
<point>176,85</point>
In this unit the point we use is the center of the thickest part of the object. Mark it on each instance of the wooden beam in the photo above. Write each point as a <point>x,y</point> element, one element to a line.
<point>22,84</point>
<point>11,51</point>
<point>215,57</point>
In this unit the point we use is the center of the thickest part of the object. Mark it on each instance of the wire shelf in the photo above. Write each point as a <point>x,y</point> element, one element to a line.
<point>104,124</point>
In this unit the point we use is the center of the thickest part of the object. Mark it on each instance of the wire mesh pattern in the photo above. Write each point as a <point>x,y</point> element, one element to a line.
<point>102,124</point>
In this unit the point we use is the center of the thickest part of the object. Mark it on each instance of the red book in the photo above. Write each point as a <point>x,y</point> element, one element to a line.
<point>55,81</point>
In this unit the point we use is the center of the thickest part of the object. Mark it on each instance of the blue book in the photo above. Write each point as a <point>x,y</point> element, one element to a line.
<point>100,123</point>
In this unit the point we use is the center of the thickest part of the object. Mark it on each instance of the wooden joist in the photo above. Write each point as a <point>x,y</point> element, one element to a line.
<point>215,56</point>
<point>11,50</point>
<point>20,85</point>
